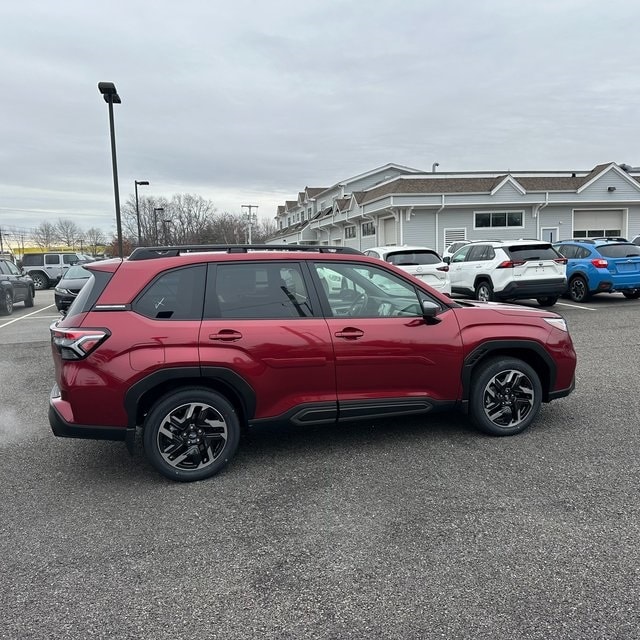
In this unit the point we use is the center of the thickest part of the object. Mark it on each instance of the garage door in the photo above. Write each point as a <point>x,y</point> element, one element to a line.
<point>593,223</point>
<point>389,226</point>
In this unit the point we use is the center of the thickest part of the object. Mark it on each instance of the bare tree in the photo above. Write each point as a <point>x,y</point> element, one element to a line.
<point>67,231</point>
<point>190,216</point>
<point>44,235</point>
<point>95,239</point>
<point>263,230</point>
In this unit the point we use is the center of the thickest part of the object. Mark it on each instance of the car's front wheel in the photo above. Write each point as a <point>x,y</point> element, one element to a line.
<point>505,396</point>
<point>578,289</point>
<point>547,301</point>
<point>28,301</point>
<point>191,434</point>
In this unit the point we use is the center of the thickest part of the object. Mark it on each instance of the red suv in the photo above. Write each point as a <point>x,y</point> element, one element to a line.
<point>191,344</point>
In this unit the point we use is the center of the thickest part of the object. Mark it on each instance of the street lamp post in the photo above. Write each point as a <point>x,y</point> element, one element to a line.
<point>139,183</point>
<point>166,229</point>
<point>155,222</point>
<point>252,218</point>
<point>111,97</point>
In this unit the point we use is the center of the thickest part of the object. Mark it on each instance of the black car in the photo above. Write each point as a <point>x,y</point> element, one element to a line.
<point>15,286</point>
<point>69,286</point>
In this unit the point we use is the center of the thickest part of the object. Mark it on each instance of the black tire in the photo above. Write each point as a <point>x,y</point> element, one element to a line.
<point>505,396</point>
<point>191,434</point>
<point>28,301</point>
<point>631,295</point>
<point>40,280</point>
<point>6,302</point>
<point>579,289</point>
<point>484,291</point>
<point>547,301</point>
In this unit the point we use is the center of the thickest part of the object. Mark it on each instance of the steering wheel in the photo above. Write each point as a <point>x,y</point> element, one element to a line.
<point>359,305</point>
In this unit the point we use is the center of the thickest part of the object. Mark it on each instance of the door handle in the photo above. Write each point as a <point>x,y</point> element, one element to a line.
<point>226,335</point>
<point>349,333</point>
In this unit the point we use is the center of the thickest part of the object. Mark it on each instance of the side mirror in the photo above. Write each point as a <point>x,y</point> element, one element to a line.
<point>429,311</point>
<point>447,259</point>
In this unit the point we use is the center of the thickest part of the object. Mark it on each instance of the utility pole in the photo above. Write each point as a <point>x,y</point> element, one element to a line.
<point>1,243</point>
<point>250,217</point>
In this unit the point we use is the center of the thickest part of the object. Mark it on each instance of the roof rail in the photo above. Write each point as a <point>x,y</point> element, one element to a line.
<point>150,253</point>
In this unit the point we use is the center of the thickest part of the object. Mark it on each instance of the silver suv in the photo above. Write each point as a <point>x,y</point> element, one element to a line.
<point>509,270</point>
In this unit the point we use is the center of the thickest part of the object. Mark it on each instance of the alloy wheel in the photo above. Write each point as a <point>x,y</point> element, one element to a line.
<point>192,436</point>
<point>508,398</point>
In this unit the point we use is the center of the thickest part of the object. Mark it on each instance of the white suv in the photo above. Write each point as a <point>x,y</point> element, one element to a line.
<point>421,262</point>
<point>501,270</point>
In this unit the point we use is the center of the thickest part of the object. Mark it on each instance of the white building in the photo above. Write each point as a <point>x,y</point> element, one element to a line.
<point>395,204</point>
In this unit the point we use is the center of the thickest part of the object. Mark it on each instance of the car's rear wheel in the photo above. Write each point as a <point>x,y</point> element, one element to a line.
<point>191,434</point>
<point>505,396</point>
<point>578,289</point>
<point>40,280</point>
<point>484,291</point>
<point>632,295</point>
<point>6,302</point>
<point>547,301</point>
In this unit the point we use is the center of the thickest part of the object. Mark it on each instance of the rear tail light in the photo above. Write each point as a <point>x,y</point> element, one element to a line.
<point>76,344</point>
<point>560,260</point>
<point>509,264</point>
<point>444,268</point>
<point>600,263</point>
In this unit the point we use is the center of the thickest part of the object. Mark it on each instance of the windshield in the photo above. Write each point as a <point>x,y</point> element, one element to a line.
<point>76,273</point>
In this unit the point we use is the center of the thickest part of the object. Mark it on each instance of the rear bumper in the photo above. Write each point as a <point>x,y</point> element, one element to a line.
<point>533,289</point>
<point>64,429</point>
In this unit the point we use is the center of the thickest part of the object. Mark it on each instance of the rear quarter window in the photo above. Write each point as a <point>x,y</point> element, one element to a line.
<point>31,260</point>
<point>88,296</point>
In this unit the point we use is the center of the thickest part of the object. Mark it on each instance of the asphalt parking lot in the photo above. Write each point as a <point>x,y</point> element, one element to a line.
<point>392,529</point>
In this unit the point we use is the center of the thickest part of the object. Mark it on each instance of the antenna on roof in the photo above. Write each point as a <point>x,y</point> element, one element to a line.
<point>433,166</point>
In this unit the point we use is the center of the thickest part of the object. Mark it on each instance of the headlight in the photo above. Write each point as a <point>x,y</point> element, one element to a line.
<point>558,323</point>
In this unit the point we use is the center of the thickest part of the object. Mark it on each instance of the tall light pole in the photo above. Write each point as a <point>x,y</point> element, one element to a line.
<point>165,229</point>
<point>155,222</point>
<point>111,97</point>
<point>139,183</point>
<point>251,218</point>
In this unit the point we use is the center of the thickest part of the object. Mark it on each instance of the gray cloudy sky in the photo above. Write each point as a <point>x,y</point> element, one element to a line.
<point>248,102</point>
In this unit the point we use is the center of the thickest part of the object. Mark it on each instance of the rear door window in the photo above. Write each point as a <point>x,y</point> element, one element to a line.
<point>257,290</point>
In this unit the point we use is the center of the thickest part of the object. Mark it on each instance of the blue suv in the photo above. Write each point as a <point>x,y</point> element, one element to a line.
<point>601,266</point>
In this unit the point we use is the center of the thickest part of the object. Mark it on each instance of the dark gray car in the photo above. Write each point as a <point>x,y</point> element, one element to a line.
<point>69,286</point>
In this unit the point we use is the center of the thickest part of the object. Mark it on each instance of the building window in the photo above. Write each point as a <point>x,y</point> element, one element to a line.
<point>350,232</point>
<point>498,219</point>
<point>368,229</point>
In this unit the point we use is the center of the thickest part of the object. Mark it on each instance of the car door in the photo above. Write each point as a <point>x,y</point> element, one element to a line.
<point>53,266</point>
<point>389,358</point>
<point>457,269</point>
<point>262,325</point>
